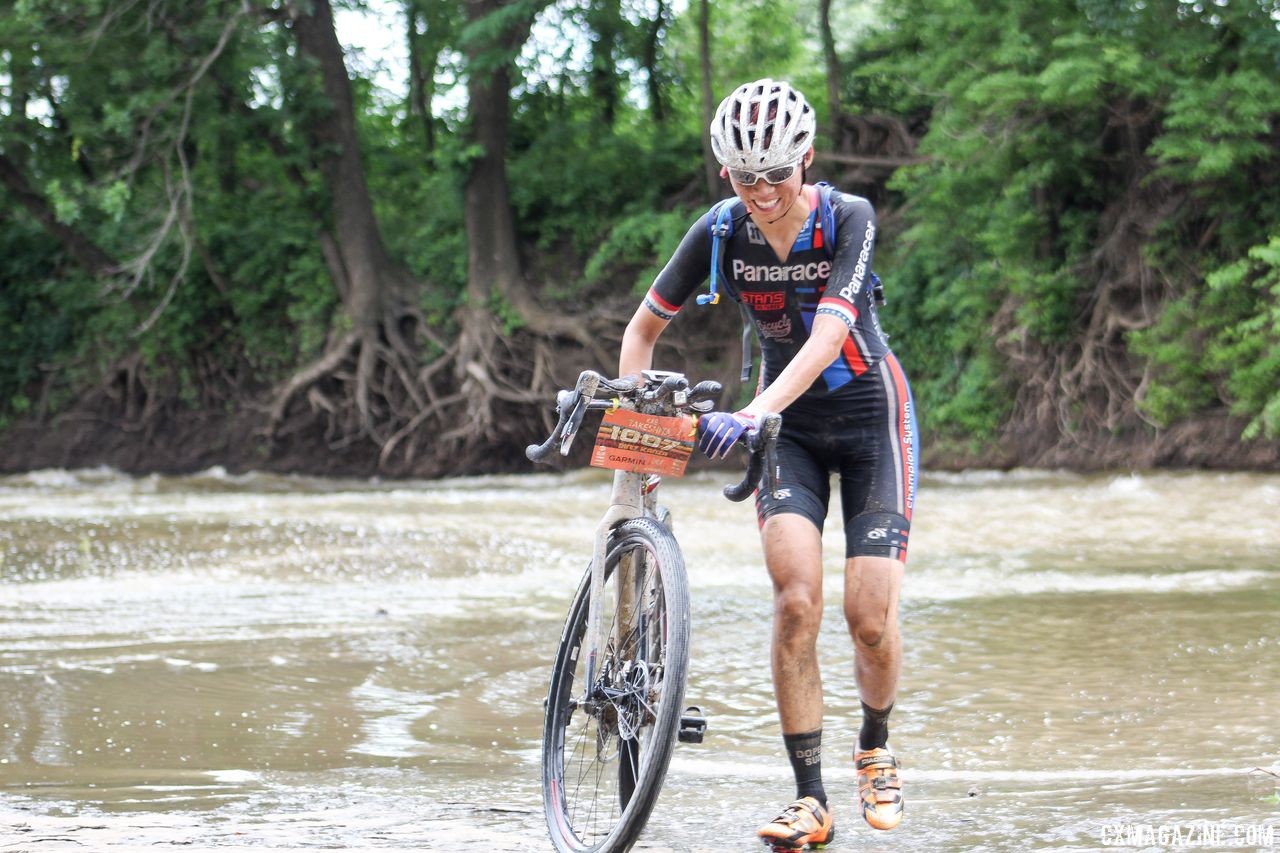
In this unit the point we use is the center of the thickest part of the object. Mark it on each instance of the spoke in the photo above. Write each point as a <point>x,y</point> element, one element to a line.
<point>583,809</point>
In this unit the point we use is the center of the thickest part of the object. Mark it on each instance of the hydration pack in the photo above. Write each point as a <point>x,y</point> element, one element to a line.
<point>720,221</point>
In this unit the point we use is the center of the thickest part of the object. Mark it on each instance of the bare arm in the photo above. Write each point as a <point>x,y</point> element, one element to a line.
<point>825,340</point>
<point>639,340</point>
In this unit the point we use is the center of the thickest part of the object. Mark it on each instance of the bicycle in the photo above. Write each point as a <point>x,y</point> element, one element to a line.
<point>613,710</point>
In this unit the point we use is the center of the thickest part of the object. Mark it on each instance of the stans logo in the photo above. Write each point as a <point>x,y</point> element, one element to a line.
<point>768,300</point>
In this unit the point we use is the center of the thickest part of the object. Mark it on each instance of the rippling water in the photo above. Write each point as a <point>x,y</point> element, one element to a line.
<point>286,662</point>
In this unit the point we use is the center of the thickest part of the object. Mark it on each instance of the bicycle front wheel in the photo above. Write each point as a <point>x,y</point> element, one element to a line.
<point>606,746</point>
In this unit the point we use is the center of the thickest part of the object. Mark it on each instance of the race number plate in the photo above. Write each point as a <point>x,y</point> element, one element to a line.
<point>646,444</point>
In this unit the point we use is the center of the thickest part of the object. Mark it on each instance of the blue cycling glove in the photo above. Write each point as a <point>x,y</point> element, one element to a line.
<point>719,431</point>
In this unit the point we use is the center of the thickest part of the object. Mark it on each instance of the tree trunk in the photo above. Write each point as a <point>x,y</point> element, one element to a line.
<point>605,19</point>
<point>493,261</point>
<point>495,275</point>
<point>653,40</point>
<point>832,63</point>
<point>421,79</point>
<point>494,269</point>
<point>356,228</point>
<point>370,285</point>
<point>711,167</point>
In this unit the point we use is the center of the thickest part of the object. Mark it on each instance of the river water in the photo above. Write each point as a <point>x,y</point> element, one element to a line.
<point>259,661</point>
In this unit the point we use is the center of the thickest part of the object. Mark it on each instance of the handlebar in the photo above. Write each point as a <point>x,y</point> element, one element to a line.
<point>662,393</point>
<point>762,447</point>
<point>572,405</point>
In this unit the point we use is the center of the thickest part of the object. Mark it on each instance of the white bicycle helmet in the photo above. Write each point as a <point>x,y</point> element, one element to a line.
<point>761,126</point>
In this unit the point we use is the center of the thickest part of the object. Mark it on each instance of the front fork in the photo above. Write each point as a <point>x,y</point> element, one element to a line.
<point>634,495</point>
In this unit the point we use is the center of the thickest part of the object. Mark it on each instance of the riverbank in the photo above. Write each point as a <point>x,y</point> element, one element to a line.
<point>195,441</point>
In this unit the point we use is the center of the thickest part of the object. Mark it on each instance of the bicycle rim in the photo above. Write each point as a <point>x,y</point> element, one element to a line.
<point>606,751</point>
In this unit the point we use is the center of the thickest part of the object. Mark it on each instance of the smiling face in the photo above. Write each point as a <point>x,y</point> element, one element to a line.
<point>770,202</point>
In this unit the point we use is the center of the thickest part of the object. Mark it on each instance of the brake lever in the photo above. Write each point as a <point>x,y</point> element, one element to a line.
<point>539,452</point>
<point>585,391</point>
<point>770,427</point>
<point>671,386</point>
<point>571,425</point>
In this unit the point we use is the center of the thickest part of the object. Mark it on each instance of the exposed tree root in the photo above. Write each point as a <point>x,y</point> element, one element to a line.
<point>868,148</point>
<point>434,413</point>
<point>323,366</point>
<point>417,404</point>
<point>1084,395</point>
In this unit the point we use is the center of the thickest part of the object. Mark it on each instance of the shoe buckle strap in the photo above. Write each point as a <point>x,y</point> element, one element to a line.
<point>882,789</point>
<point>796,812</point>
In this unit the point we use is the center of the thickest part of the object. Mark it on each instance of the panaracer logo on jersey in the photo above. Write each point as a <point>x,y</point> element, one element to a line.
<point>769,300</point>
<point>772,272</point>
<point>850,290</point>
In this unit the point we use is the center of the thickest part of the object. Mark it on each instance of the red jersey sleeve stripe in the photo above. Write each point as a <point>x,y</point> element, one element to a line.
<point>840,308</point>
<point>653,294</point>
<point>660,306</point>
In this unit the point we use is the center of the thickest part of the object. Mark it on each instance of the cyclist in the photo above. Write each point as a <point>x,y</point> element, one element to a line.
<point>847,408</point>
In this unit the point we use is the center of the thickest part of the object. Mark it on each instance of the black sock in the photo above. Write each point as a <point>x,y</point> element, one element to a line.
<point>805,752</point>
<point>875,727</point>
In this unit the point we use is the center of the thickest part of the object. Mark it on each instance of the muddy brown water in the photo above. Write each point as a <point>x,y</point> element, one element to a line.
<point>283,662</point>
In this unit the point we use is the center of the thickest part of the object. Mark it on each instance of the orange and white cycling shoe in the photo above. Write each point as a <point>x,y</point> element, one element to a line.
<point>879,788</point>
<point>804,822</point>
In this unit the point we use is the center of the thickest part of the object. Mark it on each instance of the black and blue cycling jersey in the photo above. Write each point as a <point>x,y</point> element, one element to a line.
<point>784,296</point>
<point>858,416</point>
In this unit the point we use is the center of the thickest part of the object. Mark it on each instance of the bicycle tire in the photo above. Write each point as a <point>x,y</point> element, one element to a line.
<point>591,804</point>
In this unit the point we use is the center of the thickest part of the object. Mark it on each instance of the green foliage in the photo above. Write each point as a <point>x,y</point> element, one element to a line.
<point>35,327</point>
<point>571,178</point>
<point>242,280</point>
<point>418,201</point>
<point>1227,335</point>
<point>641,240</point>
<point>758,38</point>
<point>1047,119</point>
<point>1173,347</point>
<point>750,39</point>
<point>1218,128</point>
<point>486,39</point>
<point>507,316</point>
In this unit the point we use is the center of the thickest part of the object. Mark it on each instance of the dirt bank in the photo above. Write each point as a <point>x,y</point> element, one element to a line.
<point>194,441</point>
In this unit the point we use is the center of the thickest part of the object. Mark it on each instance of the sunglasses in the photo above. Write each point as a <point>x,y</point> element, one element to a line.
<point>778,175</point>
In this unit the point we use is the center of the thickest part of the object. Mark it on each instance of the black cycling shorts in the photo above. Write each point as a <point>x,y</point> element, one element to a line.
<point>872,443</point>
